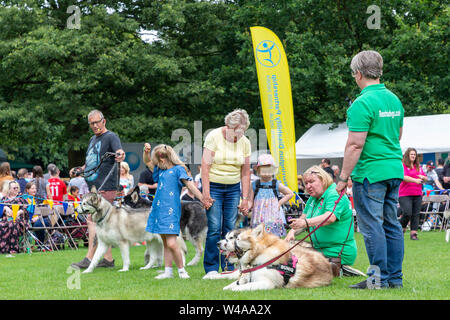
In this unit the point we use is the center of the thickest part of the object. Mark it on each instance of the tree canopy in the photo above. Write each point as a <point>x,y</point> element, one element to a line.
<point>199,66</point>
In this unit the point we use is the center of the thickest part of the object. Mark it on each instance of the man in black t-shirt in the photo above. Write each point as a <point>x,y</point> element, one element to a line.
<point>103,141</point>
<point>325,164</point>
<point>146,180</point>
<point>446,175</point>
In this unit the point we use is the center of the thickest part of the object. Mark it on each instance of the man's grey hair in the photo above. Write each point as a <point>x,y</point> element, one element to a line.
<point>53,170</point>
<point>369,63</point>
<point>95,112</point>
<point>237,117</point>
<point>51,166</point>
<point>21,173</point>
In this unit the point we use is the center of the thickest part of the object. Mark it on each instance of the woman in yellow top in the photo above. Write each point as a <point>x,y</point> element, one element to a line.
<point>225,166</point>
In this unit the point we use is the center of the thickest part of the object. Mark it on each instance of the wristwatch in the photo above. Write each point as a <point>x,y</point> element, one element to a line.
<point>339,179</point>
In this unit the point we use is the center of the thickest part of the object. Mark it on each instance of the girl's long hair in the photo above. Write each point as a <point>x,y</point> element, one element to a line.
<point>5,169</point>
<point>408,163</point>
<point>163,151</point>
<point>125,165</point>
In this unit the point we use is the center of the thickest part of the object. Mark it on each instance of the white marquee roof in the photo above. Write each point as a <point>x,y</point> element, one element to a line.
<point>427,134</point>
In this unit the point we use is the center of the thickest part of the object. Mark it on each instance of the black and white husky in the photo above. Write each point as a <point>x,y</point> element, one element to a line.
<point>193,224</point>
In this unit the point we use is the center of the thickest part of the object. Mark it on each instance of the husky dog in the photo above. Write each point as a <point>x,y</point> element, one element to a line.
<point>300,267</point>
<point>120,226</point>
<point>193,224</point>
<point>226,247</point>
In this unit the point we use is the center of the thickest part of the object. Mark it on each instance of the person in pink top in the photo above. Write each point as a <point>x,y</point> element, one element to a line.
<point>410,193</point>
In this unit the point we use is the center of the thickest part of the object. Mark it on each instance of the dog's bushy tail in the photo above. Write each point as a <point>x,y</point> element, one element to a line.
<point>181,243</point>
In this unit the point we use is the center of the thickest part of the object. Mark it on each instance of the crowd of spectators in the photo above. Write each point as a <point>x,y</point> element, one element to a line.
<point>26,186</point>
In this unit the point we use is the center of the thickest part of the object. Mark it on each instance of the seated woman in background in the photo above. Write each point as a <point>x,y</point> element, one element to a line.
<point>36,221</point>
<point>10,230</point>
<point>126,179</point>
<point>335,238</point>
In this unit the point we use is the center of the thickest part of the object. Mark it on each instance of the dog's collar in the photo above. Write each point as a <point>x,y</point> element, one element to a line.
<point>104,217</point>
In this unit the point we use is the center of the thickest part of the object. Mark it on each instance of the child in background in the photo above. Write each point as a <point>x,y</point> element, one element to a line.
<point>266,208</point>
<point>73,195</point>
<point>164,219</point>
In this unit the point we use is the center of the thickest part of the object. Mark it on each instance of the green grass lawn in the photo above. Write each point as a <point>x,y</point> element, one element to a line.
<point>47,276</point>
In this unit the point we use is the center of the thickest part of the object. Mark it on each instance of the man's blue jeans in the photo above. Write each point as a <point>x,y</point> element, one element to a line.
<point>376,210</point>
<point>221,219</point>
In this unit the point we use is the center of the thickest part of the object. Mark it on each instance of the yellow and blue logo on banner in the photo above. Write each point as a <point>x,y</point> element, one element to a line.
<point>276,102</point>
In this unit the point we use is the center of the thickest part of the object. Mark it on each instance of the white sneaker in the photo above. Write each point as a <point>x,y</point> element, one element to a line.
<point>164,275</point>
<point>183,275</point>
<point>210,275</point>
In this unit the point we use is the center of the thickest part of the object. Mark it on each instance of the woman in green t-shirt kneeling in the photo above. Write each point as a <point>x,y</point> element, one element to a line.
<point>334,238</point>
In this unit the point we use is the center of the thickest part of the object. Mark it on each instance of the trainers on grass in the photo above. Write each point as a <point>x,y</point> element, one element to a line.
<point>105,264</point>
<point>164,275</point>
<point>210,275</point>
<point>83,264</point>
<point>183,275</point>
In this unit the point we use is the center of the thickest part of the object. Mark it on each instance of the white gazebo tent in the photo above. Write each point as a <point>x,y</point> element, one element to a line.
<point>427,134</point>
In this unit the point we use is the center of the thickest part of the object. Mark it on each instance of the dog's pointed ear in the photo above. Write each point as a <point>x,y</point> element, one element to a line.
<point>259,231</point>
<point>97,198</point>
<point>94,189</point>
<point>135,195</point>
<point>137,189</point>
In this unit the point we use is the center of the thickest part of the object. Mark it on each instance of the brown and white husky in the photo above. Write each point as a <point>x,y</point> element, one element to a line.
<point>300,267</point>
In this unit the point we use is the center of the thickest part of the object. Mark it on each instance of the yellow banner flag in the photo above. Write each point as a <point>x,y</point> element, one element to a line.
<point>15,209</point>
<point>49,202</point>
<point>75,205</point>
<point>276,102</point>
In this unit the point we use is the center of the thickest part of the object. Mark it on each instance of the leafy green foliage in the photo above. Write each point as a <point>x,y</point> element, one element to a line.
<point>200,66</point>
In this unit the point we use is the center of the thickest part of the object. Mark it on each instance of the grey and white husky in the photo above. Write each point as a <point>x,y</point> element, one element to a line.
<point>122,226</point>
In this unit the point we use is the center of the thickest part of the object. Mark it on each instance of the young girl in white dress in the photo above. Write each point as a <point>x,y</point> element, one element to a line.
<point>266,207</point>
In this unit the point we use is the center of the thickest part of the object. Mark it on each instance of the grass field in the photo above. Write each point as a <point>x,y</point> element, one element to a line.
<point>47,276</point>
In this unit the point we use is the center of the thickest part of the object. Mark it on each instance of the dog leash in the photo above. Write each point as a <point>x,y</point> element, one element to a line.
<point>90,172</point>
<point>300,241</point>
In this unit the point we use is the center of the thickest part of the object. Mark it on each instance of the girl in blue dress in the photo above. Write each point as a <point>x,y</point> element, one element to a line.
<point>171,175</point>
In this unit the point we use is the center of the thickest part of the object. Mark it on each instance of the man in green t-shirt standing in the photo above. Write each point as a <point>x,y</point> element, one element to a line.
<point>373,159</point>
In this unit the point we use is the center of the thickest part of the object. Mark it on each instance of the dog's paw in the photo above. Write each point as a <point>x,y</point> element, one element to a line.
<point>88,270</point>
<point>240,288</point>
<point>150,266</point>
<point>123,270</point>
<point>193,262</point>
<point>230,286</point>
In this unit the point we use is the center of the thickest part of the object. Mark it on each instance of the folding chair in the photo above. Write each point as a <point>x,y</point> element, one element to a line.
<point>70,225</point>
<point>432,212</point>
<point>42,212</point>
<point>77,226</point>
